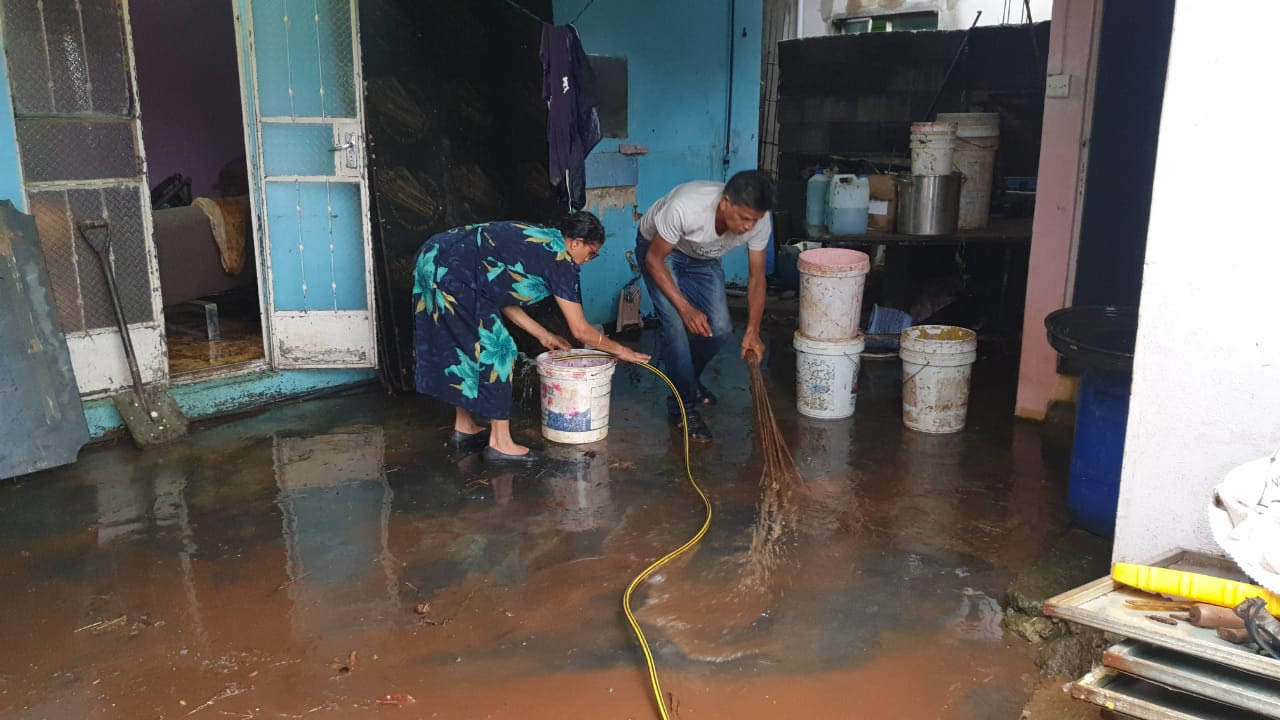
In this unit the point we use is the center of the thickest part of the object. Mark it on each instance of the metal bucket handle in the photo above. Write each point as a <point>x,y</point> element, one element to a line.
<point>924,367</point>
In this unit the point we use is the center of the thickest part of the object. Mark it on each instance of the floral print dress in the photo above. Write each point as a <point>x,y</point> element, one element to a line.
<point>463,278</point>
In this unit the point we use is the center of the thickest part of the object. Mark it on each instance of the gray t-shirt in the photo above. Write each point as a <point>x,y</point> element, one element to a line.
<point>686,218</point>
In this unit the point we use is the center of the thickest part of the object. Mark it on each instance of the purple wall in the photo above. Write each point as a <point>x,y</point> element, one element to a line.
<point>189,90</point>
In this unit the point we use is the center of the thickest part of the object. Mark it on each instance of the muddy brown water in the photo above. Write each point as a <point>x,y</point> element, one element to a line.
<point>234,573</point>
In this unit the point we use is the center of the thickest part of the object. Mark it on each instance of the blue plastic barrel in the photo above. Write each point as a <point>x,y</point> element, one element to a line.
<point>1097,454</point>
<point>1098,341</point>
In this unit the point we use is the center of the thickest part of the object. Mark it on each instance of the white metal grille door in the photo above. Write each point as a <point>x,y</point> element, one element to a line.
<point>311,181</point>
<point>71,77</point>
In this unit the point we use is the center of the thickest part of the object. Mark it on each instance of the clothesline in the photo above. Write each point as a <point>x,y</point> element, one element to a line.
<point>525,11</point>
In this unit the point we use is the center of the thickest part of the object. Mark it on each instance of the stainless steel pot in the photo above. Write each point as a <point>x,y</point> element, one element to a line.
<point>928,204</point>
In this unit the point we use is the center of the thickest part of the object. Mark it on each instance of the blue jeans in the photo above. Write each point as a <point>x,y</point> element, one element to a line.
<point>685,356</point>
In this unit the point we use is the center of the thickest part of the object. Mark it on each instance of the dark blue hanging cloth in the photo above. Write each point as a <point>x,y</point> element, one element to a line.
<point>573,124</point>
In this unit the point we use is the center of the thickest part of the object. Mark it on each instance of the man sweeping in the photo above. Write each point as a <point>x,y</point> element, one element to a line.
<point>680,243</point>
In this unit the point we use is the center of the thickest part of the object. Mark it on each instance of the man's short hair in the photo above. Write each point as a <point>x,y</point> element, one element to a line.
<point>751,188</point>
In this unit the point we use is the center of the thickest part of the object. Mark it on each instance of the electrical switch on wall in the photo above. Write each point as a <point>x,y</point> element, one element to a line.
<point>1058,86</point>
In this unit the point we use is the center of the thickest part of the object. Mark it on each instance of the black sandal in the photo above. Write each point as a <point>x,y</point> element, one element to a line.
<point>532,457</point>
<point>475,442</point>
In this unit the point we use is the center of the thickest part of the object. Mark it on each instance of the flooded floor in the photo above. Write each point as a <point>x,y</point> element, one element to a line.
<point>311,560</point>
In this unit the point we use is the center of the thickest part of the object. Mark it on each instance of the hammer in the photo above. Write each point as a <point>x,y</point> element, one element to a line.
<point>1203,615</point>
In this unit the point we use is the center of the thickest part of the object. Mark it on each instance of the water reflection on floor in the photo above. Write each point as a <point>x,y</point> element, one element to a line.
<point>310,560</point>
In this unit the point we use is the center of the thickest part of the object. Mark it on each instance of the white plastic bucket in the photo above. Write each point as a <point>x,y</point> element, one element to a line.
<point>827,376</point>
<point>977,139</point>
<point>936,365</point>
<point>932,145</point>
<point>575,396</point>
<point>831,285</point>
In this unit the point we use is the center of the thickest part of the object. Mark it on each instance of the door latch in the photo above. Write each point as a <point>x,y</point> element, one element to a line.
<point>348,144</point>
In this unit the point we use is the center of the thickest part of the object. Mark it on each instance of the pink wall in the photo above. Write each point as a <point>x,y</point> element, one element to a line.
<point>1063,150</point>
<point>189,90</point>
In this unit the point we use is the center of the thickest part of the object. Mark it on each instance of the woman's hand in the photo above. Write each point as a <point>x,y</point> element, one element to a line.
<point>588,334</point>
<point>551,341</point>
<point>631,356</point>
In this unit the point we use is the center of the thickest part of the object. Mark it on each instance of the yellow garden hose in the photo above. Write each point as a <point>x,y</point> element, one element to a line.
<point>644,574</point>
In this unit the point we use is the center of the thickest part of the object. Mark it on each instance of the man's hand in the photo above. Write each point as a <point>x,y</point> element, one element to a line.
<point>751,343</point>
<point>695,321</point>
<point>655,267</point>
<point>551,341</point>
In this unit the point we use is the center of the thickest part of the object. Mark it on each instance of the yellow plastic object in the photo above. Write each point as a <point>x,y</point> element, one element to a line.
<point>1192,586</point>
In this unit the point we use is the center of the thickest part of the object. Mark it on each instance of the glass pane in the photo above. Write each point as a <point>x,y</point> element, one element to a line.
<point>60,255</point>
<point>128,246</point>
<point>68,65</point>
<point>66,56</point>
<point>57,149</point>
<point>304,58</point>
<point>78,285</point>
<point>916,21</point>
<point>302,42</point>
<point>297,149</point>
<point>316,246</point>
<point>271,56</point>
<point>28,63</point>
<point>286,246</point>
<point>120,207</point>
<point>337,64</point>
<point>104,44</point>
<point>347,236</point>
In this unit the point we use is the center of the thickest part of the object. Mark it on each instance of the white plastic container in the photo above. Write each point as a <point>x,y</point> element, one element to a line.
<point>575,396</point>
<point>831,285</point>
<point>936,365</point>
<point>977,139</point>
<point>827,376</point>
<point>932,146</point>
<point>815,209</point>
<point>848,199</point>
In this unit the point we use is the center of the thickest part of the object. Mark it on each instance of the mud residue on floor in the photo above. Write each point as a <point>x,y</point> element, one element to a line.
<point>318,558</point>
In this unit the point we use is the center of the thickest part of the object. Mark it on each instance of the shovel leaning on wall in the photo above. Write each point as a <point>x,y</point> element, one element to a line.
<point>152,417</point>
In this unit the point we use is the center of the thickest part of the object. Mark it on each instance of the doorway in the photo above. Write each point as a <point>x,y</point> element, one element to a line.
<point>193,134</point>
<point>223,265</point>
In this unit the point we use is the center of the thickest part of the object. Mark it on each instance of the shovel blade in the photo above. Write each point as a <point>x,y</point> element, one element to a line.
<point>164,424</point>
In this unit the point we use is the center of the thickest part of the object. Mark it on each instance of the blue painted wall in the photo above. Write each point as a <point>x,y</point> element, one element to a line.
<point>10,175</point>
<point>677,61</point>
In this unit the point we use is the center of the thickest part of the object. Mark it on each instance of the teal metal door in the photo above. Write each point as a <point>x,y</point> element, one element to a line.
<point>305,124</point>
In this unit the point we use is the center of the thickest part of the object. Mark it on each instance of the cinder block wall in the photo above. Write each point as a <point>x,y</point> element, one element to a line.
<point>857,95</point>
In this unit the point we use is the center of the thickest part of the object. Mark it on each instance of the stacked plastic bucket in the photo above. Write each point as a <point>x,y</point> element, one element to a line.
<point>828,344</point>
<point>974,156</point>
<point>952,165</point>
<point>937,360</point>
